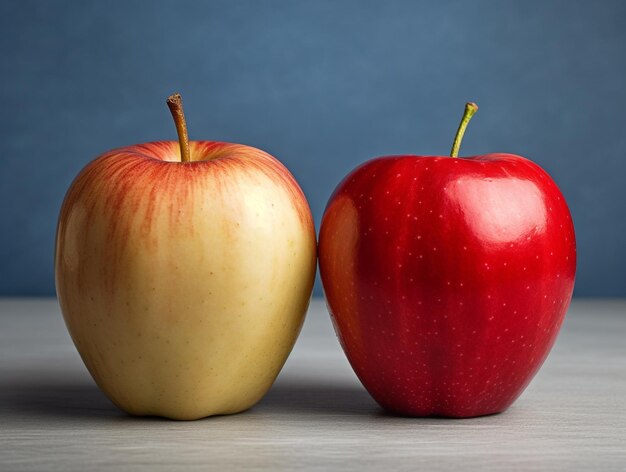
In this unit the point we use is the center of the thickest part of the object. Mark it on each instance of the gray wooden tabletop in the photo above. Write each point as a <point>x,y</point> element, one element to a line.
<point>317,416</point>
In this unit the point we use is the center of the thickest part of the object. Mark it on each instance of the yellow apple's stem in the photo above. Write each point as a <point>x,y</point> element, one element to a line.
<point>470,109</point>
<point>175,104</point>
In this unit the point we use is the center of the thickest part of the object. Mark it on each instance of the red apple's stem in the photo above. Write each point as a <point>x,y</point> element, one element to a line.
<point>175,104</point>
<point>470,109</point>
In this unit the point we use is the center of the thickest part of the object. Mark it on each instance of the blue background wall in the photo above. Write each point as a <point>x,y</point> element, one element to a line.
<point>322,85</point>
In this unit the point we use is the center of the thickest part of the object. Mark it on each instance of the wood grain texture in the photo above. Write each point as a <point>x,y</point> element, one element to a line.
<point>317,416</point>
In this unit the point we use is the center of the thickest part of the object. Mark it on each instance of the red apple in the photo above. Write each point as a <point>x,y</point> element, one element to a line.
<point>447,278</point>
<point>184,284</point>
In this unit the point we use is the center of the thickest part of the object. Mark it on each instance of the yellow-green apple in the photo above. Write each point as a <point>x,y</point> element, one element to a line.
<point>184,271</point>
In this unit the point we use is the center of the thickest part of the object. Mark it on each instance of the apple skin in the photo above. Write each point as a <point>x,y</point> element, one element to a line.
<point>447,279</point>
<point>184,285</point>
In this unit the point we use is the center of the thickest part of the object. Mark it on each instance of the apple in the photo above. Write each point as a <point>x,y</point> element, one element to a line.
<point>447,278</point>
<point>184,271</point>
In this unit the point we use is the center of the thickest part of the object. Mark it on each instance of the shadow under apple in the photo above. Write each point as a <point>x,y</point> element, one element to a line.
<point>51,398</point>
<point>80,398</point>
<point>314,398</point>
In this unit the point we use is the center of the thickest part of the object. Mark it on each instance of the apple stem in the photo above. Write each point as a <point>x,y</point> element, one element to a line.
<point>470,109</point>
<point>175,104</point>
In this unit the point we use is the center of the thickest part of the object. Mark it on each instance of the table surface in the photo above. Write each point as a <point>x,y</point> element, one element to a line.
<point>317,416</point>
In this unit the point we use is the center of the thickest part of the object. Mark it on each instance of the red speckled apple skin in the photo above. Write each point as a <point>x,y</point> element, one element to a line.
<point>447,279</point>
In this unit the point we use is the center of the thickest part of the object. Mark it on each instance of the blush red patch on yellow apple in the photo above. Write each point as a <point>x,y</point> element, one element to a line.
<point>120,168</point>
